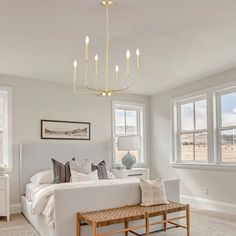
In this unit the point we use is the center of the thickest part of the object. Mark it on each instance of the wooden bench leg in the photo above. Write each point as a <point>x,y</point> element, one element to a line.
<point>147,223</point>
<point>165,224</point>
<point>126,226</point>
<point>94,228</point>
<point>78,226</point>
<point>188,221</point>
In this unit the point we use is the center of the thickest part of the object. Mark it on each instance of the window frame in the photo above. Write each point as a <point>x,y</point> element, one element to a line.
<point>180,132</point>
<point>213,129</point>
<point>219,126</point>
<point>8,101</point>
<point>141,129</point>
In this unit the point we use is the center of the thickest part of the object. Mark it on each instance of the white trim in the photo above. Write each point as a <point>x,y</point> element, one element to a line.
<point>214,89</point>
<point>206,166</point>
<point>15,208</point>
<point>9,126</point>
<point>207,204</point>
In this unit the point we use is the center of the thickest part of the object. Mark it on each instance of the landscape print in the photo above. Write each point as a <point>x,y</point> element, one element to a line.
<point>53,129</point>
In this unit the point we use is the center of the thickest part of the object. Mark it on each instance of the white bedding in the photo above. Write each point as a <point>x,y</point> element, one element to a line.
<point>42,196</point>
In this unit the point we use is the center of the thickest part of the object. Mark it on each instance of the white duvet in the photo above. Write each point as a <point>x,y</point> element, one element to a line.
<point>42,196</point>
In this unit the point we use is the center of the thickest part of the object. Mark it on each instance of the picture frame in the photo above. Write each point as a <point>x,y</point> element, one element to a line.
<point>65,130</point>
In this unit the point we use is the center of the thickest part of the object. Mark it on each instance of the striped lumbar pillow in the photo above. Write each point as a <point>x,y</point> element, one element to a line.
<point>61,172</point>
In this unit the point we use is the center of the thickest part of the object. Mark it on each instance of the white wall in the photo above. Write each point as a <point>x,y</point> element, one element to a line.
<point>35,100</point>
<point>221,184</point>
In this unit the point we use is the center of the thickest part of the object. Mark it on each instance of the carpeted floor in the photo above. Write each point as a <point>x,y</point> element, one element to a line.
<point>202,224</point>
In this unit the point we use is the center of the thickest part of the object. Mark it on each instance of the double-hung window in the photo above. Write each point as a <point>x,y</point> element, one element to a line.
<point>204,128</point>
<point>192,130</point>
<point>128,120</point>
<point>5,127</point>
<point>226,131</point>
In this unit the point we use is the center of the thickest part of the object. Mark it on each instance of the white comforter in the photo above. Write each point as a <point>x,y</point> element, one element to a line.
<point>42,196</point>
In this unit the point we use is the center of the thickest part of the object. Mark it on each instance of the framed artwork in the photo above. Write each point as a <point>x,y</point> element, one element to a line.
<point>70,130</point>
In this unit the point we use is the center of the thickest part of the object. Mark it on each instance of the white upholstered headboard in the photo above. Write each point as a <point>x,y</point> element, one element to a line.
<point>37,157</point>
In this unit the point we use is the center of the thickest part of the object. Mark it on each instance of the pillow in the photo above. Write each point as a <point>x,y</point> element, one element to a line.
<point>153,192</point>
<point>42,177</point>
<point>110,175</point>
<point>61,172</point>
<point>101,168</point>
<point>81,167</point>
<point>80,177</point>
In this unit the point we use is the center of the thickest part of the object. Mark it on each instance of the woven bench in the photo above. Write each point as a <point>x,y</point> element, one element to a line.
<point>130,213</point>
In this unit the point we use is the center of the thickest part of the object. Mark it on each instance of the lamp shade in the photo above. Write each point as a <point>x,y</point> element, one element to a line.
<point>128,143</point>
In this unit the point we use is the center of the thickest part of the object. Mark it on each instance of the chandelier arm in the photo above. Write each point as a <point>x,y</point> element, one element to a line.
<point>76,91</point>
<point>119,90</point>
<point>110,90</point>
<point>128,93</point>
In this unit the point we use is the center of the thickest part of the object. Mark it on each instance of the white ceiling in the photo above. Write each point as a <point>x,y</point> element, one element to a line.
<point>180,40</point>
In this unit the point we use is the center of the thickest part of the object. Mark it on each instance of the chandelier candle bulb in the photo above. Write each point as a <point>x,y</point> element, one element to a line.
<point>96,64</point>
<point>128,63</point>
<point>75,69</point>
<point>86,47</point>
<point>138,59</point>
<point>117,75</point>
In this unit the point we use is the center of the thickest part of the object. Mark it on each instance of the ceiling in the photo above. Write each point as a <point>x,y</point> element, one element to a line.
<point>180,40</point>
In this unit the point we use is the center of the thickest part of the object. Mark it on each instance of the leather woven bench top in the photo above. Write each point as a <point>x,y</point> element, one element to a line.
<point>128,213</point>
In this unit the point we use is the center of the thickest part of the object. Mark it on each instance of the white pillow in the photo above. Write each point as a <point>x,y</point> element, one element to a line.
<point>110,175</point>
<point>80,177</point>
<point>80,166</point>
<point>153,192</point>
<point>42,177</point>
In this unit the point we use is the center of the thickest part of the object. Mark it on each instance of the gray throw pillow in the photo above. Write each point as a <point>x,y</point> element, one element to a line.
<point>101,168</point>
<point>61,172</point>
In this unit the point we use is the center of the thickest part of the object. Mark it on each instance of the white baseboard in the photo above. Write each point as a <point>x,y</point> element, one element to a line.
<point>15,208</point>
<point>207,204</point>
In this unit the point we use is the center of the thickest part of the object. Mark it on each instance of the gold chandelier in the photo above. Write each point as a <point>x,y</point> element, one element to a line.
<point>83,87</point>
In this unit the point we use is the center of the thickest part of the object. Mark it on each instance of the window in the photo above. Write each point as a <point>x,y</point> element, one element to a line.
<point>227,126</point>
<point>192,130</point>
<point>128,120</point>
<point>204,128</point>
<point>5,127</point>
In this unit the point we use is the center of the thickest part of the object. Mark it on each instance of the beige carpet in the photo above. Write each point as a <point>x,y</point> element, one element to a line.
<point>202,224</point>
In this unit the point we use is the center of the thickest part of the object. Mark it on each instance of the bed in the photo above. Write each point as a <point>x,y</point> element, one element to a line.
<point>74,197</point>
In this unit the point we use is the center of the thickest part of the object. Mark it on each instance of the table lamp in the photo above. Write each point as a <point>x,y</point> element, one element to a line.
<point>128,143</point>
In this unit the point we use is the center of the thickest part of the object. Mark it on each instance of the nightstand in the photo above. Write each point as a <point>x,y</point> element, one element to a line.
<point>4,196</point>
<point>135,172</point>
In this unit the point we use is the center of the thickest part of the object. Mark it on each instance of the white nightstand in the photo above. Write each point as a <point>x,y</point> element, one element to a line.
<point>4,196</point>
<point>135,172</point>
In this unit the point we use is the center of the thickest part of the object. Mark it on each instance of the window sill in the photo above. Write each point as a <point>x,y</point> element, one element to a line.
<point>202,166</point>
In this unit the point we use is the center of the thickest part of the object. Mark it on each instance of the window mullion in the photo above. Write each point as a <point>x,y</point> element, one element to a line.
<point>125,121</point>
<point>194,128</point>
